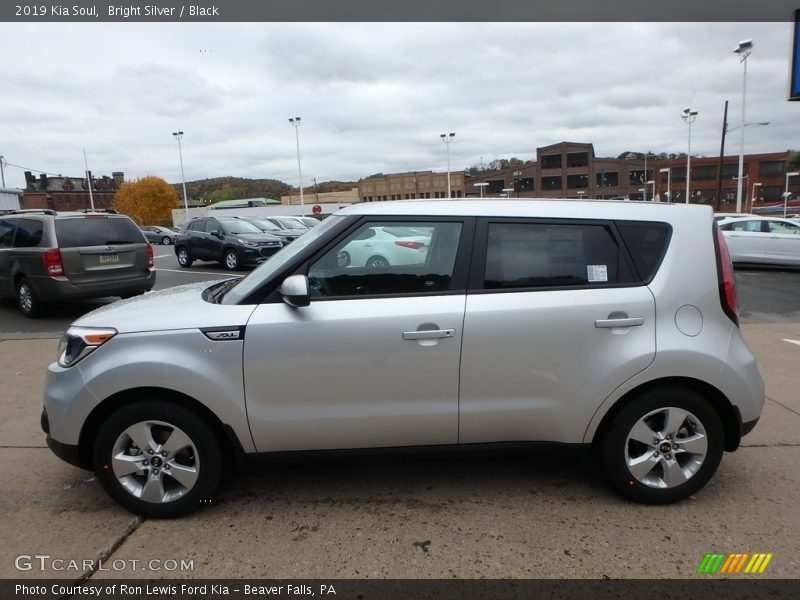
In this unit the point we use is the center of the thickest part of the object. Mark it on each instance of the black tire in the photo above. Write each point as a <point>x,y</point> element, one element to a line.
<point>615,446</point>
<point>166,240</point>
<point>230,260</point>
<point>185,259</point>
<point>27,299</point>
<point>377,262</point>
<point>207,459</point>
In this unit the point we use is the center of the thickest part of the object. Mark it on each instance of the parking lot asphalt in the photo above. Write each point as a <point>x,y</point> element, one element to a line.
<point>428,516</point>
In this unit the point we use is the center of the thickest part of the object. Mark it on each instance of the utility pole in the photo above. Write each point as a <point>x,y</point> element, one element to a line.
<point>718,203</point>
<point>316,189</point>
<point>88,180</point>
<point>2,173</point>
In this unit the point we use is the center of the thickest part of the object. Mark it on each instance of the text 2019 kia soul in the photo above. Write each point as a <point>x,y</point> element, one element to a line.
<point>603,325</point>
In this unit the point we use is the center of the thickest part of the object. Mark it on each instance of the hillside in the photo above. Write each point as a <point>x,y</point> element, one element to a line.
<point>233,188</point>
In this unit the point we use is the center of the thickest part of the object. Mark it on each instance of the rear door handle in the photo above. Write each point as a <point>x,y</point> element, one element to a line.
<point>629,322</point>
<point>428,335</point>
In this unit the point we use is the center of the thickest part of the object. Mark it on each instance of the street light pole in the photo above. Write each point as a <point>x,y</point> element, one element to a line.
<point>689,115</point>
<point>296,124</point>
<point>88,180</point>
<point>752,197</point>
<point>743,50</point>
<point>668,171</point>
<point>645,176</point>
<point>447,138</point>
<point>178,135</point>
<point>786,194</point>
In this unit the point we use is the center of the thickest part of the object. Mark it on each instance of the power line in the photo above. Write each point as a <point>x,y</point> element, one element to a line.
<point>8,164</point>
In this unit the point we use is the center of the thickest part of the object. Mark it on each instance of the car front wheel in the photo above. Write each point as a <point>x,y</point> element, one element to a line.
<point>231,260</point>
<point>664,446</point>
<point>158,459</point>
<point>184,258</point>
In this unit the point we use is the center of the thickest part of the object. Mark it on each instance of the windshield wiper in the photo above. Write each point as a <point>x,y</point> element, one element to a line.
<point>217,295</point>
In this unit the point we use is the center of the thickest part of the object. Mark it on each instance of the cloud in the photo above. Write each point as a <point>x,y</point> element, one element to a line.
<point>375,97</point>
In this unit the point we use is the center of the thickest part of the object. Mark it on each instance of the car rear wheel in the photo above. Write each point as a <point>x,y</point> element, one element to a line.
<point>158,459</point>
<point>166,240</point>
<point>28,301</point>
<point>377,262</point>
<point>184,258</point>
<point>664,446</point>
<point>231,260</point>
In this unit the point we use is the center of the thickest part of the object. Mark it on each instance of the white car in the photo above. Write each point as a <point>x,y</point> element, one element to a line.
<point>762,240</point>
<point>386,246</point>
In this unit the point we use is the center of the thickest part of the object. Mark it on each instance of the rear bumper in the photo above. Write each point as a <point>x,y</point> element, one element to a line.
<point>748,427</point>
<point>61,288</point>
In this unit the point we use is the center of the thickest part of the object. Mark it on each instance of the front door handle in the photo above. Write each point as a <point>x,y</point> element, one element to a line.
<point>429,334</point>
<point>627,322</point>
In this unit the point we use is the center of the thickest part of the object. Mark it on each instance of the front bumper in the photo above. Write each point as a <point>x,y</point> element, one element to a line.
<point>67,452</point>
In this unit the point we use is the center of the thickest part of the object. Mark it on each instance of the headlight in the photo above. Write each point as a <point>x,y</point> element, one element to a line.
<point>77,342</point>
<point>246,242</point>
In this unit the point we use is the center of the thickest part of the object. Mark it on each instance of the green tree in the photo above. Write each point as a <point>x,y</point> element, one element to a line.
<point>148,201</point>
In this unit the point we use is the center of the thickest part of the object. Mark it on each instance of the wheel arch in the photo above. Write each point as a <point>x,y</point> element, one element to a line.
<point>728,413</point>
<point>229,443</point>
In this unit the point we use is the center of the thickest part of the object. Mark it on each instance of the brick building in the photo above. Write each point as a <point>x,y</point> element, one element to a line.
<point>408,186</point>
<point>764,177</point>
<point>69,193</point>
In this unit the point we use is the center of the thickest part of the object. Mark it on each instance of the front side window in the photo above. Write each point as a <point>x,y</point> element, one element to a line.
<point>388,258</point>
<point>541,255</point>
<point>783,227</point>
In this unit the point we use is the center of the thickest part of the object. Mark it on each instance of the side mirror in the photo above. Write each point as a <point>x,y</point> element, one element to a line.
<point>294,291</point>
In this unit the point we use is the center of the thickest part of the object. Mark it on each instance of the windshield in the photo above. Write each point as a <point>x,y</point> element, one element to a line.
<point>239,226</point>
<point>290,223</point>
<point>278,261</point>
<point>265,225</point>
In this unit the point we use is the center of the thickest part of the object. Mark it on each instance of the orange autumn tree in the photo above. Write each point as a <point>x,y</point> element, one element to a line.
<point>148,201</point>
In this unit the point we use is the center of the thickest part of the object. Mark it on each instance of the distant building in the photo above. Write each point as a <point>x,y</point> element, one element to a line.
<point>764,181</point>
<point>311,197</point>
<point>69,193</point>
<point>409,186</point>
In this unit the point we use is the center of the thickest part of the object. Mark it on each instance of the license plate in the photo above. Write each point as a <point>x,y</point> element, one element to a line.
<point>109,259</point>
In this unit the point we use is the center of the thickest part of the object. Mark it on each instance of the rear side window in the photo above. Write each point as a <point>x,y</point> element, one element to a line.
<point>536,255</point>
<point>94,231</point>
<point>647,242</point>
<point>7,228</point>
<point>29,233</point>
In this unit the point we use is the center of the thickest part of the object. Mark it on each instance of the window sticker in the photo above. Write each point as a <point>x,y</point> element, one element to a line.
<point>596,273</point>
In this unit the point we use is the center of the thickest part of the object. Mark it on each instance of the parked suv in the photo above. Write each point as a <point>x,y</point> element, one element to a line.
<point>606,327</point>
<point>230,240</point>
<point>48,257</point>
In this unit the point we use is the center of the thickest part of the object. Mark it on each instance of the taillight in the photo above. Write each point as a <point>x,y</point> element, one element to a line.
<point>52,262</point>
<point>725,279</point>
<point>149,256</point>
<point>412,245</point>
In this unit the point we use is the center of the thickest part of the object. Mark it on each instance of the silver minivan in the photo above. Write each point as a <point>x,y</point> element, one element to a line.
<point>607,327</point>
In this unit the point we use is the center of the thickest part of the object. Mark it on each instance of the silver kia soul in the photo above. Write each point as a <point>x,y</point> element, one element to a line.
<point>608,326</point>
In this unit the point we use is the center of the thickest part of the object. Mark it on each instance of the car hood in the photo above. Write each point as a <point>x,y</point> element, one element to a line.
<point>293,231</point>
<point>180,307</point>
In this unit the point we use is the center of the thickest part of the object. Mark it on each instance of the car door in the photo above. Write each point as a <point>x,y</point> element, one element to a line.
<point>783,242</point>
<point>554,322</point>
<point>373,361</point>
<point>745,240</point>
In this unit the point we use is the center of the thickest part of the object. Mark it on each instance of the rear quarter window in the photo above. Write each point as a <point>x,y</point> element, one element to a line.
<point>647,243</point>
<point>29,233</point>
<point>94,231</point>
<point>7,228</point>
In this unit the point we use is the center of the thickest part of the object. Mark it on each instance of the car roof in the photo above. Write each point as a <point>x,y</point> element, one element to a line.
<point>540,207</point>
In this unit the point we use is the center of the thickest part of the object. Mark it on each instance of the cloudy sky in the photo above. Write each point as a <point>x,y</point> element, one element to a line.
<point>375,97</point>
